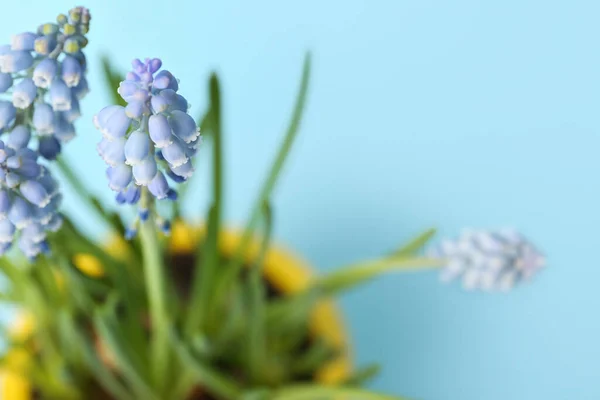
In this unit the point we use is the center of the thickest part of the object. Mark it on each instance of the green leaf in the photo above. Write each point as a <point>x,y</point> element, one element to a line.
<point>256,347</point>
<point>313,358</point>
<point>356,274</point>
<point>203,372</point>
<point>322,392</point>
<point>207,258</point>
<point>113,78</point>
<point>159,301</point>
<point>133,367</point>
<point>234,267</point>
<point>415,245</point>
<point>361,376</point>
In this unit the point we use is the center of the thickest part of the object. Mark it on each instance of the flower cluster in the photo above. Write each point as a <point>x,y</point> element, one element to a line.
<point>489,260</point>
<point>45,74</point>
<point>29,196</point>
<point>150,139</point>
<point>42,79</point>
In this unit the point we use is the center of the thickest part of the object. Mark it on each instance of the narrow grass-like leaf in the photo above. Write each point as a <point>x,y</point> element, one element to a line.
<point>205,375</point>
<point>256,342</point>
<point>323,392</point>
<point>207,258</point>
<point>233,268</point>
<point>348,277</point>
<point>157,284</point>
<point>415,245</point>
<point>131,365</point>
<point>317,354</point>
<point>101,372</point>
<point>113,79</point>
<point>363,375</point>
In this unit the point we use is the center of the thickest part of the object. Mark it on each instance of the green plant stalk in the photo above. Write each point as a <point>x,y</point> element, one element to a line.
<point>204,374</point>
<point>101,371</point>
<point>233,268</point>
<point>313,392</point>
<point>157,297</point>
<point>355,274</point>
<point>207,262</point>
<point>129,363</point>
<point>416,244</point>
<point>257,346</point>
<point>113,79</point>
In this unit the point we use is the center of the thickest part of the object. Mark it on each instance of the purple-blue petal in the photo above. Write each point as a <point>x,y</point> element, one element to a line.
<point>137,147</point>
<point>145,171</point>
<point>165,80</point>
<point>160,131</point>
<point>44,73</point>
<point>49,147</point>
<point>7,113</point>
<point>112,151</point>
<point>71,71</point>
<point>119,177</point>
<point>15,61</point>
<point>35,193</point>
<point>174,153</point>
<point>19,137</point>
<point>60,95</point>
<point>43,119</point>
<point>6,81</point>
<point>159,186</point>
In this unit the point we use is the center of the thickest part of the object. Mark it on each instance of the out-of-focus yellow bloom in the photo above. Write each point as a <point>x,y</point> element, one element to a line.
<point>14,384</point>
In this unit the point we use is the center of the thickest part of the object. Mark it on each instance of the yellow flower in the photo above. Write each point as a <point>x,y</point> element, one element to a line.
<point>14,385</point>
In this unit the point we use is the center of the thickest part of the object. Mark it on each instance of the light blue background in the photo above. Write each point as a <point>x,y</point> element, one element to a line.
<point>447,113</point>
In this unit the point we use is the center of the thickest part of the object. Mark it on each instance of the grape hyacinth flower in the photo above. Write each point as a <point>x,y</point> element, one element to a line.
<point>29,197</point>
<point>42,79</point>
<point>489,260</point>
<point>150,139</point>
<point>46,70</point>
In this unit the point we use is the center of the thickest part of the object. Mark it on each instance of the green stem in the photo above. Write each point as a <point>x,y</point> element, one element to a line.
<point>233,268</point>
<point>257,346</point>
<point>205,375</point>
<point>313,392</point>
<point>157,292</point>
<point>348,277</point>
<point>207,257</point>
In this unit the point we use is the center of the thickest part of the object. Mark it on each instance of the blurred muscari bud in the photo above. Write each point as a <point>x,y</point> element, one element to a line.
<point>489,260</point>
<point>13,61</point>
<point>24,93</point>
<point>7,114</point>
<point>23,41</point>
<point>152,137</point>
<point>46,71</point>
<point>6,81</point>
<point>29,197</point>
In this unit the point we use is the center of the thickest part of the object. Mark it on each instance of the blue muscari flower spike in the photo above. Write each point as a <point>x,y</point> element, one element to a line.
<point>489,260</point>
<point>150,139</point>
<point>29,197</point>
<point>46,71</point>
